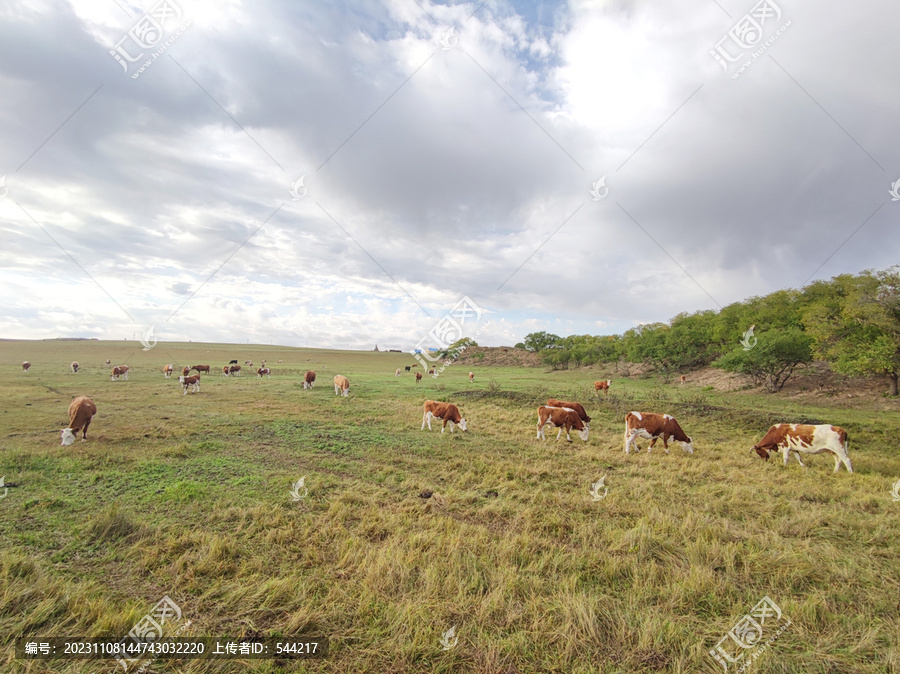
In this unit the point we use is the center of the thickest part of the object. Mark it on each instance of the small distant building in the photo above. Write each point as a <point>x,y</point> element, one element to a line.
<point>376,347</point>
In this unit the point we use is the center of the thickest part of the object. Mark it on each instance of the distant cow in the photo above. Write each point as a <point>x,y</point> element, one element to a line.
<point>418,377</point>
<point>682,379</point>
<point>560,418</point>
<point>808,439</point>
<point>602,386</point>
<point>235,370</point>
<point>107,361</point>
<point>397,373</point>
<point>280,361</point>
<point>431,372</point>
<point>341,385</point>
<point>192,382</point>
<point>168,370</point>
<point>652,427</point>
<point>225,369</point>
<point>81,412</point>
<point>248,362</point>
<point>185,371</point>
<point>471,377</point>
<point>201,368</point>
<point>408,368</point>
<point>309,380</point>
<point>579,410</point>
<point>263,371</point>
<point>232,362</point>
<point>74,366</point>
<point>448,412</point>
<point>119,371</point>
<point>25,366</point>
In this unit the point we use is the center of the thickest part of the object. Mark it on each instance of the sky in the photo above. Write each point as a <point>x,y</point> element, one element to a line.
<point>345,174</point>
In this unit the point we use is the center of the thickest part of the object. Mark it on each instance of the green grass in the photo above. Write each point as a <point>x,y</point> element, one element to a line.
<point>190,496</point>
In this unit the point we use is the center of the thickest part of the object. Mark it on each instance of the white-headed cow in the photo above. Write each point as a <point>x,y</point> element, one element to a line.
<point>309,380</point>
<point>806,439</point>
<point>652,427</point>
<point>447,412</point>
<point>561,418</point>
<point>81,411</point>
<point>341,385</point>
<point>192,382</point>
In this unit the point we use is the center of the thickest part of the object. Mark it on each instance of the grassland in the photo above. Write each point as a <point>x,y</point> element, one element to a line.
<point>188,496</point>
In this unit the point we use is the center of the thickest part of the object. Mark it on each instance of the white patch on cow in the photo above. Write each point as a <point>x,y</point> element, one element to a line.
<point>638,415</point>
<point>67,437</point>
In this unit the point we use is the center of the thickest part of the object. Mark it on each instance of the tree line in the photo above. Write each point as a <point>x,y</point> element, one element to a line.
<point>851,321</point>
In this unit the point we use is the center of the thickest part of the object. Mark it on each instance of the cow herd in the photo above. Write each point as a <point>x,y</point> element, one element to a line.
<point>564,415</point>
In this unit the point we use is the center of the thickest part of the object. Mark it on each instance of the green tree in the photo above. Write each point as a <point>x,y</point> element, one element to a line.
<point>772,360</point>
<point>856,324</point>
<point>538,341</point>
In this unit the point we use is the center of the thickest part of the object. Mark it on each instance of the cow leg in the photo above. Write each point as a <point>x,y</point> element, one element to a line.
<point>559,432</point>
<point>631,439</point>
<point>653,442</point>
<point>451,426</point>
<point>568,439</point>
<point>540,431</point>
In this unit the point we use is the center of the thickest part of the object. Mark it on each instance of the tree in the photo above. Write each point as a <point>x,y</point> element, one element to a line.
<point>457,348</point>
<point>772,361</point>
<point>856,324</point>
<point>538,341</point>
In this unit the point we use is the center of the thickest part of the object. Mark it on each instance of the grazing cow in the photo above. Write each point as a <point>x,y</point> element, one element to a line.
<point>168,370</point>
<point>192,382</point>
<point>263,371</point>
<point>416,365</point>
<point>576,407</point>
<point>25,366</point>
<point>280,361</point>
<point>808,439</point>
<point>602,386</point>
<point>232,362</point>
<point>408,368</point>
<point>561,418</point>
<point>248,362</point>
<point>185,371</point>
<point>651,427</point>
<point>397,373</point>
<point>448,412</point>
<point>225,370</point>
<point>235,370</point>
<point>119,371</point>
<point>418,377</point>
<point>471,377</point>
<point>201,368</point>
<point>431,372</point>
<point>310,379</point>
<point>107,361</point>
<point>81,411</point>
<point>682,379</point>
<point>74,366</point>
<point>341,385</point>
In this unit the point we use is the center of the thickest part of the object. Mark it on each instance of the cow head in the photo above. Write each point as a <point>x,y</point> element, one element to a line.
<point>181,380</point>
<point>688,446</point>
<point>462,425</point>
<point>67,436</point>
<point>763,454</point>
<point>583,433</point>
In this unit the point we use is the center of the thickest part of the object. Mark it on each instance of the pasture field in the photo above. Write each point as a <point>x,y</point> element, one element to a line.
<point>189,496</point>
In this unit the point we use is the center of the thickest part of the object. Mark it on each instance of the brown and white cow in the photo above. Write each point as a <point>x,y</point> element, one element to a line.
<point>25,366</point>
<point>107,361</point>
<point>74,366</point>
<point>341,385</point>
<point>225,369</point>
<point>119,371</point>
<point>309,380</point>
<point>431,372</point>
<point>652,427</point>
<point>81,411</point>
<point>263,371</point>
<point>185,371</point>
<point>192,382</point>
<point>248,363</point>
<point>553,402</point>
<point>235,370</point>
<point>561,418</point>
<point>682,379</point>
<point>448,412</point>
<point>201,368</point>
<point>808,439</point>
<point>397,372</point>
<point>418,377</point>
<point>602,386</point>
<point>471,377</point>
<point>168,370</point>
